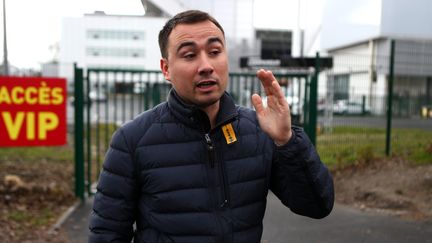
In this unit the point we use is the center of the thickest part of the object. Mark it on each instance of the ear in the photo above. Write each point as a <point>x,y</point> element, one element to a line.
<point>164,68</point>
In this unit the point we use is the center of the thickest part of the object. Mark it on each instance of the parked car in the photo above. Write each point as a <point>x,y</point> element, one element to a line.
<point>426,111</point>
<point>345,107</point>
<point>294,104</point>
<point>321,106</point>
<point>139,88</point>
<point>95,96</point>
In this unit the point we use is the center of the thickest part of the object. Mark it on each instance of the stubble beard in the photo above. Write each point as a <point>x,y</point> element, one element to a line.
<point>208,103</point>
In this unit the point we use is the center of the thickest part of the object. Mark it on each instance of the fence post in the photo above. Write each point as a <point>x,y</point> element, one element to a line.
<point>88,133</point>
<point>156,95</point>
<point>313,93</point>
<point>306,105</point>
<point>78,132</point>
<point>390,97</point>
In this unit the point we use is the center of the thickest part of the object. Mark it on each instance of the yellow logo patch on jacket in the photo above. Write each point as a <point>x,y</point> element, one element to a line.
<point>229,133</point>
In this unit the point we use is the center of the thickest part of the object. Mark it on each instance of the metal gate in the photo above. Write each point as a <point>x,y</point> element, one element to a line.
<point>104,99</point>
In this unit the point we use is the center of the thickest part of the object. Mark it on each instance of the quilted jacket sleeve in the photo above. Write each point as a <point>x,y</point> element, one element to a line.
<point>114,206</point>
<point>299,178</point>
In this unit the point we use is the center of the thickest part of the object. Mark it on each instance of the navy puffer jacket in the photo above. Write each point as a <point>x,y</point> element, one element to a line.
<point>181,181</point>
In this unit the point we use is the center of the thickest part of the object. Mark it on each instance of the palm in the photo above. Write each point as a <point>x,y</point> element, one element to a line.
<point>274,119</point>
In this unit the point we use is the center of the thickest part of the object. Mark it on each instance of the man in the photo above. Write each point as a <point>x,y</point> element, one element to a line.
<point>197,168</point>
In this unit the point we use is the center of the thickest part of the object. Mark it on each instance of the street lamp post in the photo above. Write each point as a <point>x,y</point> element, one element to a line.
<point>5,57</point>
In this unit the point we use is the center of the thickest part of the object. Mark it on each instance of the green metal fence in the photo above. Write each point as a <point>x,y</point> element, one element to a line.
<point>370,102</point>
<point>107,98</point>
<point>350,111</point>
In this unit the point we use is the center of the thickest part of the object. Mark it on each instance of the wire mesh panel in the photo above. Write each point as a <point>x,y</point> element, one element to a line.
<point>242,85</point>
<point>114,97</point>
<point>352,104</point>
<point>353,99</point>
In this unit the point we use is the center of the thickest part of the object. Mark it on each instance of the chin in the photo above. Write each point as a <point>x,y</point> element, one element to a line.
<point>209,101</point>
<point>204,104</point>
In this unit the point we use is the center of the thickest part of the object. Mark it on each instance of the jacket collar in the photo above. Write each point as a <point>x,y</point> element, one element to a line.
<point>192,115</point>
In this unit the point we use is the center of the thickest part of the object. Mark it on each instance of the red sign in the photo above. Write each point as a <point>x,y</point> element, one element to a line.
<point>32,111</point>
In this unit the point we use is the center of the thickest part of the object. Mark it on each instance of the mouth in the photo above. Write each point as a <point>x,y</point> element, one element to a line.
<point>206,84</point>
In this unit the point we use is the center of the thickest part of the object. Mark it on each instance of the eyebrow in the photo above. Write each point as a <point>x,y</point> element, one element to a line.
<point>214,39</point>
<point>193,44</point>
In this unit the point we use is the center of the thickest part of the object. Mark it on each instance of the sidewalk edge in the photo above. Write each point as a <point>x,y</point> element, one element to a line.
<point>63,217</point>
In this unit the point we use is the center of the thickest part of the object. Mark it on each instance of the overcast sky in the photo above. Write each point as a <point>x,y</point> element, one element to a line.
<point>35,25</point>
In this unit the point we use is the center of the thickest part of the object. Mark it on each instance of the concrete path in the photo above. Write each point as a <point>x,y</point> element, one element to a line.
<point>344,225</point>
<point>281,226</point>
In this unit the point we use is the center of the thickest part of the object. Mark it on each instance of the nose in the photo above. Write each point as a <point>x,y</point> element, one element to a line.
<point>205,66</point>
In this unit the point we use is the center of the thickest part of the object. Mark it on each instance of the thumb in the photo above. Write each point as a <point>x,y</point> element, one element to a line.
<point>257,103</point>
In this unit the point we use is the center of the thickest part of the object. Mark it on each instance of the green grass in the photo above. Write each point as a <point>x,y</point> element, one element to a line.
<point>337,148</point>
<point>413,144</point>
<point>58,153</point>
<point>42,218</point>
<point>102,133</point>
<point>30,154</point>
<point>353,145</point>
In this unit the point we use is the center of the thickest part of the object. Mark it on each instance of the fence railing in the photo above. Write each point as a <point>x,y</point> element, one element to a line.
<point>347,110</point>
<point>112,97</point>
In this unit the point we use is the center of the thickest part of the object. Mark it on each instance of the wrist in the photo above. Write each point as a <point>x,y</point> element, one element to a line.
<point>282,142</point>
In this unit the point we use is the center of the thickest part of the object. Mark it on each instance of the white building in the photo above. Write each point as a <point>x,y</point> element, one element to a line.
<point>344,29</point>
<point>357,34</point>
<point>109,41</point>
<point>113,41</point>
<point>348,22</point>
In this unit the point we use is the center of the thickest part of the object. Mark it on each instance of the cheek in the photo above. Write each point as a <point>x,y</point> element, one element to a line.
<point>183,69</point>
<point>181,77</point>
<point>222,64</point>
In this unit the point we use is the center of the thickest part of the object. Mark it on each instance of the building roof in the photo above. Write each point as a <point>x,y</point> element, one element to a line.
<point>167,7</point>
<point>377,38</point>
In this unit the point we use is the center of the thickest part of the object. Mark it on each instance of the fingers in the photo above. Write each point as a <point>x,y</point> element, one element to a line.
<point>278,92</point>
<point>257,103</point>
<point>271,85</point>
<point>266,77</point>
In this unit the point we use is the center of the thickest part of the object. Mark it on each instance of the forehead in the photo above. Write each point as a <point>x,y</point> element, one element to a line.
<point>194,32</point>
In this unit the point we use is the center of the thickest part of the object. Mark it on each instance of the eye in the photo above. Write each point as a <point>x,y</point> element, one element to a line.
<point>189,55</point>
<point>215,52</point>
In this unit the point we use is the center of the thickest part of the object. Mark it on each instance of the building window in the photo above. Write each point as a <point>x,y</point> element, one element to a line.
<point>341,87</point>
<point>274,44</point>
<point>115,52</point>
<point>115,34</point>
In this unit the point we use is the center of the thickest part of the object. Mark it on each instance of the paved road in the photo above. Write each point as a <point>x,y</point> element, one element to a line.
<point>281,226</point>
<point>126,109</point>
<point>343,225</point>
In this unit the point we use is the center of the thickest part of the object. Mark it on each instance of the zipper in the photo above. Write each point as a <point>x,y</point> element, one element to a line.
<point>226,199</point>
<point>210,150</point>
<point>212,157</point>
<point>224,185</point>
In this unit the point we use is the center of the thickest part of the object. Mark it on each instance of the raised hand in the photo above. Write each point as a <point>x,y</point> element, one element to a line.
<point>274,119</point>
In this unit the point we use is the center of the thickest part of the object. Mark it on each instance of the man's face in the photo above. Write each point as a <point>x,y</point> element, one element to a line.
<point>197,63</point>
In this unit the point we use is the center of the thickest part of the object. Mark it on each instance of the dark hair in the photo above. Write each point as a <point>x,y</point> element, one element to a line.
<point>186,17</point>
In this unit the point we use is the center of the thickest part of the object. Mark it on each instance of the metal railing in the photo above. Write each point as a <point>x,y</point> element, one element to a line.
<point>107,98</point>
<point>348,110</point>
